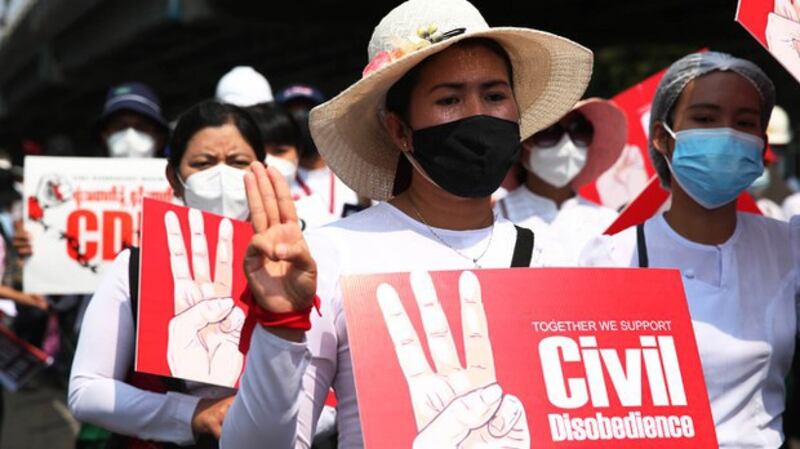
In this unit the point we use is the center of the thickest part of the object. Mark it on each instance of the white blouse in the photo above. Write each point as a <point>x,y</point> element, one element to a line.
<point>742,298</point>
<point>567,228</point>
<point>333,193</point>
<point>285,384</point>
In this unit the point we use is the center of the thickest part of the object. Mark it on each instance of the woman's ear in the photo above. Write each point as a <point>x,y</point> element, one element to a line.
<point>660,138</point>
<point>399,132</point>
<point>172,178</point>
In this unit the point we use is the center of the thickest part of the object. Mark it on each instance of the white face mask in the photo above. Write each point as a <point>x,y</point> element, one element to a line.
<point>286,167</point>
<point>219,190</point>
<point>557,165</point>
<point>131,143</point>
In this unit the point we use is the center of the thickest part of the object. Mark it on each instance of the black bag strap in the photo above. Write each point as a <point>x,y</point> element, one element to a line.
<point>641,246</point>
<point>133,283</point>
<point>523,248</point>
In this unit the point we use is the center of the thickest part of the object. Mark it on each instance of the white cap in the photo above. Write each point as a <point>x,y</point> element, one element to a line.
<point>779,130</point>
<point>243,86</point>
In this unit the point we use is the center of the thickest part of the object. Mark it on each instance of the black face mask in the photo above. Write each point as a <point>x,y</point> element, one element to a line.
<point>468,157</point>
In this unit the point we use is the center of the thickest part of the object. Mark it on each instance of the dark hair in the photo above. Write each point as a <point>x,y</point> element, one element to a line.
<point>211,113</point>
<point>398,99</point>
<point>276,125</point>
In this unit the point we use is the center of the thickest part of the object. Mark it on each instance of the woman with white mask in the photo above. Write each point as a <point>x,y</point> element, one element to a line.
<point>559,161</point>
<point>211,146</point>
<point>740,270</point>
<point>131,124</point>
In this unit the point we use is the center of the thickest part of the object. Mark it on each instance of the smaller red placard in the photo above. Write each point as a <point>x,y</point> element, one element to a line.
<point>191,279</point>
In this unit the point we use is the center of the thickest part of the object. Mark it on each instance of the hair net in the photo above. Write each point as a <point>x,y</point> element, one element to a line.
<point>694,66</point>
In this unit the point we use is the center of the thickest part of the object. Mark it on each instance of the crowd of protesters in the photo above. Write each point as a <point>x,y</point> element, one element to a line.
<point>410,160</point>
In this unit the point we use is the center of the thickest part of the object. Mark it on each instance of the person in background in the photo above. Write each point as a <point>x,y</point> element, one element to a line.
<point>741,271</point>
<point>282,144</point>
<point>211,146</point>
<point>131,124</point>
<point>283,139</point>
<point>786,194</point>
<point>243,86</point>
<point>770,189</point>
<point>10,212</point>
<point>559,161</point>
<point>313,175</point>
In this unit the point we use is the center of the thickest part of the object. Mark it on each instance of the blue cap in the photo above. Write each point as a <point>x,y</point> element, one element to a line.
<point>300,92</point>
<point>136,97</point>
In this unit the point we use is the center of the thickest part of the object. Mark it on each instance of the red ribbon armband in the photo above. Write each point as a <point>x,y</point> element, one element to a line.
<point>300,319</point>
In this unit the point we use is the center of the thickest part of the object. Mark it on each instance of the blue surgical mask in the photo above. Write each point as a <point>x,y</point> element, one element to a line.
<point>714,165</point>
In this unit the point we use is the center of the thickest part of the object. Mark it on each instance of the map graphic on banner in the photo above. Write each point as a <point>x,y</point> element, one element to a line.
<point>80,212</point>
<point>589,358</point>
<point>191,280</point>
<point>776,26</point>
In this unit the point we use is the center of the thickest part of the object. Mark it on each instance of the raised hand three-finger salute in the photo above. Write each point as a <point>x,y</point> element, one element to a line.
<point>280,271</point>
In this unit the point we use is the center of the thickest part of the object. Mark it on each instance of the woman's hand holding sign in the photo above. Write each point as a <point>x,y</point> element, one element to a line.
<point>454,406</point>
<point>280,271</point>
<point>204,334</point>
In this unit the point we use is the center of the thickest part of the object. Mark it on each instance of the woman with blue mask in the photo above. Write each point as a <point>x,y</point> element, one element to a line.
<point>740,271</point>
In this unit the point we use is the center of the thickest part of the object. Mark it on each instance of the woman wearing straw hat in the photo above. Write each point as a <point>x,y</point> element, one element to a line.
<point>430,129</point>
<point>741,271</point>
<point>559,161</point>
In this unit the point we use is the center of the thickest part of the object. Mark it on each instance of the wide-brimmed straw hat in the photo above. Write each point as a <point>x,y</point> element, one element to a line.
<point>550,76</point>
<point>610,135</point>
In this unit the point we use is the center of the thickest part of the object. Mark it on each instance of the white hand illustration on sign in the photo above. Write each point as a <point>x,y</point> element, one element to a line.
<point>454,406</point>
<point>783,40</point>
<point>204,333</point>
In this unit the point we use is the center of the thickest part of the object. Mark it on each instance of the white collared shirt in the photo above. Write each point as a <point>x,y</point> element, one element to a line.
<point>333,194</point>
<point>742,298</point>
<point>564,230</point>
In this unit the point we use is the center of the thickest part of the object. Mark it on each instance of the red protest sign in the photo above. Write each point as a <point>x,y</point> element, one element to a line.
<point>190,284</point>
<point>776,26</point>
<point>595,358</point>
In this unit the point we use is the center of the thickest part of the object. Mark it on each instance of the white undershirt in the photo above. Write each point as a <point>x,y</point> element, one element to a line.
<point>569,227</point>
<point>333,193</point>
<point>742,298</point>
<point>285,383</point>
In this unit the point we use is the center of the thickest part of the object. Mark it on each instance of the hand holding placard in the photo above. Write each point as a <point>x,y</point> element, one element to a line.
<point>280,271</point>
<point>454,407</point>
<point>204,334</point>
